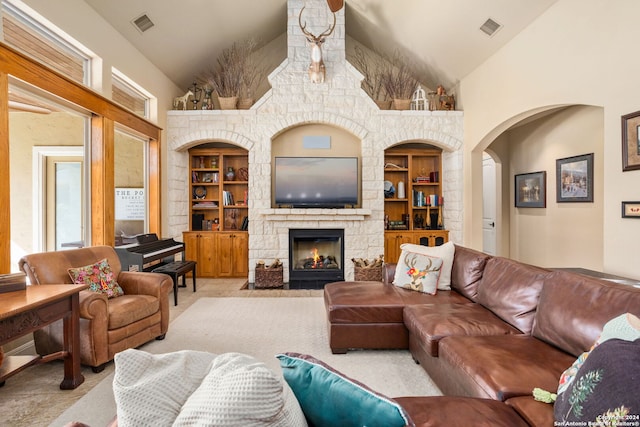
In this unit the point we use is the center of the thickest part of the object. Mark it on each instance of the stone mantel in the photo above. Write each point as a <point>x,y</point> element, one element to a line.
<point>311,214</point>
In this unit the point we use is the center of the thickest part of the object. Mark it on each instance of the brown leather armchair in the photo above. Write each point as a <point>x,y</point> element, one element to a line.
<point>107,326</point>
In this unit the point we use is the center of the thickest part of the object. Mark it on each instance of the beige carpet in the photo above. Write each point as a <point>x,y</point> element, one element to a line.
<point>264,327</point>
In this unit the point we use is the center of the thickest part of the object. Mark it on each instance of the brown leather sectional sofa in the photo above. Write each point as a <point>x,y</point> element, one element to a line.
<point>504,329</point>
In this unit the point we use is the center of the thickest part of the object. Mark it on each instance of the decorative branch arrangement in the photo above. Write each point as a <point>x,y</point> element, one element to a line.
<point>237,72</point>
<point>371,67</point>
<point>397,79</point>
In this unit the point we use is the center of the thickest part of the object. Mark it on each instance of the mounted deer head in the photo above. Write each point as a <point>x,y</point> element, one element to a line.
<point>316,68</point>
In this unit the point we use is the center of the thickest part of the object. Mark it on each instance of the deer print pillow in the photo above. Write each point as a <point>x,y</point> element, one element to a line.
<point>418,272</point>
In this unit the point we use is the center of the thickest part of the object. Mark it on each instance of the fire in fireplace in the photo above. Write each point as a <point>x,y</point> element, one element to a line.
<point>316,257</point>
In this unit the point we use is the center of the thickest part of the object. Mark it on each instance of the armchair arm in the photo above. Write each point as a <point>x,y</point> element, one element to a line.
<point>388,273</point>
<point>135,283</point>
<point>156,284</point>
<point>93,305</point>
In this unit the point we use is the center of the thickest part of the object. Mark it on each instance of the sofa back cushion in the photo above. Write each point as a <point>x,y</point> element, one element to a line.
<point>52,267</point>
<point>510,289</point>
<point>468,266</point>
<point>574,308</point>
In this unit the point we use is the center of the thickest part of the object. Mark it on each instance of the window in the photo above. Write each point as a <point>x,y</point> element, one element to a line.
<point>24,30</point>
<point>126,93</point>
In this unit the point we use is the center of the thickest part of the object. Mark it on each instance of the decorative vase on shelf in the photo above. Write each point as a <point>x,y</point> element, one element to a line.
<point>230,175</point>
<point>401,194</point>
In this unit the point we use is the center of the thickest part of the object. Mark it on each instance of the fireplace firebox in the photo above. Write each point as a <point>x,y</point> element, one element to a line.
<point>316,257</point>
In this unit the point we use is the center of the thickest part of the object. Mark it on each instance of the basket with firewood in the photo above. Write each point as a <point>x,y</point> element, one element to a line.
<point>368,270</point>
<point>269,276</point>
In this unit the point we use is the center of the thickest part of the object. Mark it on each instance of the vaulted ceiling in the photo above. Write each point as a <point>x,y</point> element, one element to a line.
<point>443,37</point>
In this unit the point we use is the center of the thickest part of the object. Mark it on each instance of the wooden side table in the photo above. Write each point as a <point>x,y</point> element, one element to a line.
<point>22,312</point>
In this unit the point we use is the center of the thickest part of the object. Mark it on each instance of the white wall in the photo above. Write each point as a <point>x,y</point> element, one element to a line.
<point>578,52</point>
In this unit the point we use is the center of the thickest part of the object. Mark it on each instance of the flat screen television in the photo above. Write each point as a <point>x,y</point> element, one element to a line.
<point>316,182</point>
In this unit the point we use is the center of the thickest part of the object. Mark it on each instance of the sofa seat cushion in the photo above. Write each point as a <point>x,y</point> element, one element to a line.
<point>128,309</point>
<point>502,366</point>
<point>432,322</point>
<point>375,302</point>
<point>436,411</point>
<point>511,290</point>
<point>534,412</point>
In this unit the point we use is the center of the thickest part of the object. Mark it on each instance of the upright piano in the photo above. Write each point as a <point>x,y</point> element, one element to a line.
<point>148,252</point>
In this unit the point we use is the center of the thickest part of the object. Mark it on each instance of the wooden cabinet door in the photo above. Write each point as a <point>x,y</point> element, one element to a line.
<point>207,250</point>
<point>431,237</point>
<point>201,248</point>
<point>224,260</point>
<point>240,254</point>
<point>392,242</point>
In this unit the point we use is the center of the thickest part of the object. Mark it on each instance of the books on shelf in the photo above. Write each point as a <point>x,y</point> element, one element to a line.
<point>227,198</point>
<point>13,282</point>
<point>206,204</point>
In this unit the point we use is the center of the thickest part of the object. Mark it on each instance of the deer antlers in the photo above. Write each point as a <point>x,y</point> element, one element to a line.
<point>316,68</point>
<point>319,38</point>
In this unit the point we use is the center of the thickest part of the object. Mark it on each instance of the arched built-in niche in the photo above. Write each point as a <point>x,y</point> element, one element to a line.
<point>310,141</point>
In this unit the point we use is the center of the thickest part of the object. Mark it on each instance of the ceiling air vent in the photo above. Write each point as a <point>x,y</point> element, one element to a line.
<point>143,23</point>
<point>490,27</point>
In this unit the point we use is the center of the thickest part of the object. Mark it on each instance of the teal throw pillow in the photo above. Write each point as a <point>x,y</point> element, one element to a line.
<point>329,398</point>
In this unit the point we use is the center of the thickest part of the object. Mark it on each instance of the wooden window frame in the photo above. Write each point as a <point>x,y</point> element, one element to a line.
<point>101,159</point>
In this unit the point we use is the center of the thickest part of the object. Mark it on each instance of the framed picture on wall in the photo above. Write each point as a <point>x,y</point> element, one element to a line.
<point>531,190</point>
<point>631,141</point>
<point>574,179</point>
<point>630,209</point>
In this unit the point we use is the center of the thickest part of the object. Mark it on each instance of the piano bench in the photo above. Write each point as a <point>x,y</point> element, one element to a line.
<point>175,270</point>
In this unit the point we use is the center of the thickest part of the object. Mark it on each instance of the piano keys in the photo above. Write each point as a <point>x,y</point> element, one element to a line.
<point>148,253</point>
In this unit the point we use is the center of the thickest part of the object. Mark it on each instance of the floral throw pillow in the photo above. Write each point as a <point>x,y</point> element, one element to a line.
<point>99,277</point>
<point>418,272</point>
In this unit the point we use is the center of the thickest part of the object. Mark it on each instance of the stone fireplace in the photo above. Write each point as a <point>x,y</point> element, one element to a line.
<point>291,103</point>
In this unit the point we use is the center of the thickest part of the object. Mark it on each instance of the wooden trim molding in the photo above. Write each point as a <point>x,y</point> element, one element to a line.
<point>5,185</point>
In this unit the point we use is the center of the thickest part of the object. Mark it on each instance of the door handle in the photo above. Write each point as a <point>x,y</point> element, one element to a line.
<point>493,224</point>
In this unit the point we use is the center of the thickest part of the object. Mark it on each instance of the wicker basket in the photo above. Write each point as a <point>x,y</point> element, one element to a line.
<point>269,278</point>
<point>228,103</point>
<point>364,274</point>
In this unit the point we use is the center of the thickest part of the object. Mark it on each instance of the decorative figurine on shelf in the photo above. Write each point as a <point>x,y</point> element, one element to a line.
<point>182,99</point>
<point>418,221</point>
<point>230,175</point>
<point>445,102</point>
<point>207,102</point>
<point>214,163</point>
<point>201,164</point>
<point>196,91</point>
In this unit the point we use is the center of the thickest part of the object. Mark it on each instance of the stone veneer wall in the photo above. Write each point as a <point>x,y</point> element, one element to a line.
<point>294,101</point>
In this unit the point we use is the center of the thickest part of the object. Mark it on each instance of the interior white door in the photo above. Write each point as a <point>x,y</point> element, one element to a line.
<point>489,233</point>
